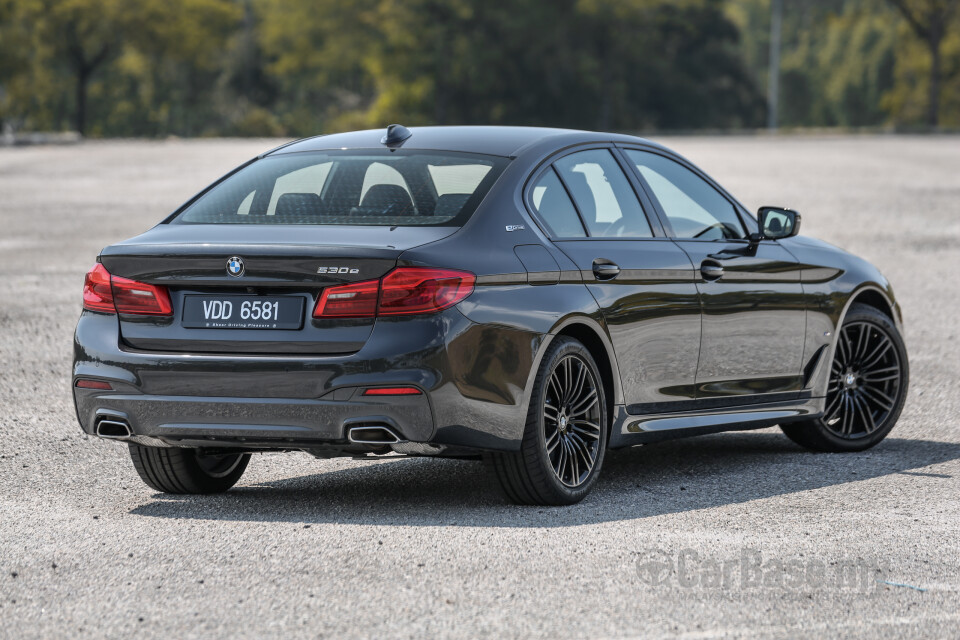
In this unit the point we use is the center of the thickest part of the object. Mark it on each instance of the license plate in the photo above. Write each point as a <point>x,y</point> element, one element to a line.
<point>242,312</point>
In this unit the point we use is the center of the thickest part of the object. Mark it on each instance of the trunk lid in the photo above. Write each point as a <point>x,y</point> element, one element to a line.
<point>280,263</point>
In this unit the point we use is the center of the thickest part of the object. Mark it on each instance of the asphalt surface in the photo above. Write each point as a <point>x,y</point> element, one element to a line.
<point>733,535</point>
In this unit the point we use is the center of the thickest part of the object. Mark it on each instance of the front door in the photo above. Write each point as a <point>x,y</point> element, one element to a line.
<point>754,317</point>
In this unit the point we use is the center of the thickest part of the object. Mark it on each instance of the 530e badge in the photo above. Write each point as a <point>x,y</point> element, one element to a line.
<point>337,270</point>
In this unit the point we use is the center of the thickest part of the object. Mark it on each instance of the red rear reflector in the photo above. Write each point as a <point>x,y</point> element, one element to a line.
<point>403,291</point>
<point>83,383</point>
<point>356,300</point>
<point>392,391</point>
<point>97,295</point>
<point>410,290</point>
<point>110,294</point>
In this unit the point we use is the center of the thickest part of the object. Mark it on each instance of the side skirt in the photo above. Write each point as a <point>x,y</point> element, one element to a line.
<point>629,430</point>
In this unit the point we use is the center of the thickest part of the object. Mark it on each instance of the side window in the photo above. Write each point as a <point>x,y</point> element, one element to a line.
<point>603,195</point>
<point>695,209</point>
<point>553,205</point>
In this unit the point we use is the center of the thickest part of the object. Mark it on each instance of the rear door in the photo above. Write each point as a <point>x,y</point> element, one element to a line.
<point>754,316</point>
<point>643,282</point>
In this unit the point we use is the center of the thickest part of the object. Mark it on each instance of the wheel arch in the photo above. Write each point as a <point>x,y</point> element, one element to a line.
<point>880,299</point>
<point>873,295</point>
<point>593,335</point>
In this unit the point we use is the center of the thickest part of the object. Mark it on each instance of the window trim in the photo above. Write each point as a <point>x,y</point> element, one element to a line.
<point>739,210</point>
<point>541,220</point>
<point>656,227</point>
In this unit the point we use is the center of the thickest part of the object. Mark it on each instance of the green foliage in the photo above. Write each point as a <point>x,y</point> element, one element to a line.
<point>606,64</point>
<point>269,67</point>
<point>849,63</point>
<point>316,54</point>
<point>935,24</point>
<point>299,67</point>
<point>142,67</point>
<point>908,100</point>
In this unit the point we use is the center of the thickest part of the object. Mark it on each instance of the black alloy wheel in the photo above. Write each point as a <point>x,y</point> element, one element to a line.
<point>864,381</point>
<point>869,376</point>
<point>565,436</point>
<point>571,420</point>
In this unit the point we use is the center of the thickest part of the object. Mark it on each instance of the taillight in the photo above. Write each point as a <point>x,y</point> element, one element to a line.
<point>140,298</point>
<point>410,290</point>
<point>112,294</point>
<point>356,300</point>
<point>403,291</point>
<point>97,295</point>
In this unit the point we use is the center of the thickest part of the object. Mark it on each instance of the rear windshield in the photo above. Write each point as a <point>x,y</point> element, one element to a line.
<point>369,187</point>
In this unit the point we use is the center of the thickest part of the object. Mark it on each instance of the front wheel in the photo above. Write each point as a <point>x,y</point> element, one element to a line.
<point>187,470</point>
<point>868,386</point>
<point>565,436</point>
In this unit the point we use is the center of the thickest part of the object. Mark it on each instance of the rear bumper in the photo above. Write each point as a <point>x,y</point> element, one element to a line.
<point>261,422</point>
<point>290,402</point>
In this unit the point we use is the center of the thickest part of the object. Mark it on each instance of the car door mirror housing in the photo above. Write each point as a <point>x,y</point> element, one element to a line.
<point>776,223</point>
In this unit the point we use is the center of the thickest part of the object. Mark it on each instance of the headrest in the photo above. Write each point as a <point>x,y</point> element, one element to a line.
<point>299,204</point>
<point>388,199</point>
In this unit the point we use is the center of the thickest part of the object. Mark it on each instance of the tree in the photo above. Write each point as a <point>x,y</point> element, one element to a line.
<point>929,20</point>
<point>83,35</point>
<point>317,52</point>
<point>272,67</point>
<point>70,44</point>
<point>606,64</point>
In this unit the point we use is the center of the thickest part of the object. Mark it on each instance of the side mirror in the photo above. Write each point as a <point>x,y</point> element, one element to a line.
<point>776,223</point>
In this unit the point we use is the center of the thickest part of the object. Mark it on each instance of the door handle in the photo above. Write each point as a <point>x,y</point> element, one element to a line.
<point>605,270</point>
<point>711,271</point>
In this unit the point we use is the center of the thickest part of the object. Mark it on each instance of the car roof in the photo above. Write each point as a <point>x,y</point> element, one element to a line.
<point>497,141</point>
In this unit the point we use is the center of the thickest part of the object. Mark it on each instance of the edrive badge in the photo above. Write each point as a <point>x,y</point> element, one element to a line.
<point>235,266</point>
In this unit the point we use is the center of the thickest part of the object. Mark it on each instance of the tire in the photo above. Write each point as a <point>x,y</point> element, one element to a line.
<point>566,420</point>
<point>186,470</point>
<point>866,391</point>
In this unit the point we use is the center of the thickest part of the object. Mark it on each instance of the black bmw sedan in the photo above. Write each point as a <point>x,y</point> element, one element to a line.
<point>531,296</point>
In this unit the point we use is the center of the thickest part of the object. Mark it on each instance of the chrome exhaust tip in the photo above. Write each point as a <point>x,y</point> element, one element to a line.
<point>373,434</point>
<point>113,428</point>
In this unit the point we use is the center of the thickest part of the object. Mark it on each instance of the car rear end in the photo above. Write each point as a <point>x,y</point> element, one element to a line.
<point>275,310</point>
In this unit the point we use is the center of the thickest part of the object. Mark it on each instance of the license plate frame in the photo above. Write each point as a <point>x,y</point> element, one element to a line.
<point>210,311</point>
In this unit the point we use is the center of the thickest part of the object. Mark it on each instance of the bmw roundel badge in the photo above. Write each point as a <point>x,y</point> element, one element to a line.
<point>235,266</point>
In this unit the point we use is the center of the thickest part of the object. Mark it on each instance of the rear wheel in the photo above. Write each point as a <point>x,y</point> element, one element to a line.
<point>565,436</point>
<point>868,386</point>
<point>187,470</point>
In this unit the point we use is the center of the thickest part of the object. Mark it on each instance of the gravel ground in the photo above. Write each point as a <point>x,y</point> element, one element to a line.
<point>733,535</point>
